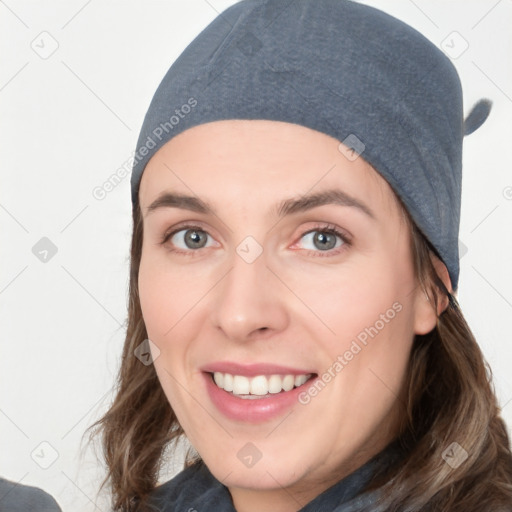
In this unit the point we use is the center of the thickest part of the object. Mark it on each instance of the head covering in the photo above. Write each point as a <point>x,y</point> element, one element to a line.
<point>342,68</point>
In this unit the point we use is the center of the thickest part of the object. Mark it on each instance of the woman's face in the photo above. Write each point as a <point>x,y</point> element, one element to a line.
<point>312,328</point>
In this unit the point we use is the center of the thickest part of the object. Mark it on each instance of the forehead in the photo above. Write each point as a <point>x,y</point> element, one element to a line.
<point>263,158</point>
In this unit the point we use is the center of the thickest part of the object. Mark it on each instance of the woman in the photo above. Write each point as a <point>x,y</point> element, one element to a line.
<point>296,204</point>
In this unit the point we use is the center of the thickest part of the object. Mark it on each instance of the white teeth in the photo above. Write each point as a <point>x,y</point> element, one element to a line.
<point>241,385</point>
<point>275,384</point>
<point>219,379</point>
<point>299,380</point>
<point>258,386</point>
<point>228,381</point>
<point>288,382</point>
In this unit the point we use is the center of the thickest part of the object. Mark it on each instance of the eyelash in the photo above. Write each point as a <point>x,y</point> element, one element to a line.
<point>324,228</point>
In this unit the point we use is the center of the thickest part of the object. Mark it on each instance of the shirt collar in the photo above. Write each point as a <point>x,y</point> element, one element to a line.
<point>196,488</point>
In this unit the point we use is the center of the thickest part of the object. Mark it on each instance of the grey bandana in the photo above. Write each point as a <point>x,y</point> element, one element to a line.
<point>341,68</point>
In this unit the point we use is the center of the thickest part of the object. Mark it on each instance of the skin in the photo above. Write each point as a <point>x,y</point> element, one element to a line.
<point>297,304</point>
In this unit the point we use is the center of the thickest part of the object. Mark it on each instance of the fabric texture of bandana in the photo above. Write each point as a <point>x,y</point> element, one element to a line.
<point>344,69</point>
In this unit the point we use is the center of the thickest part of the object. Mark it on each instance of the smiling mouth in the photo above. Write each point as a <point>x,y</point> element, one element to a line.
<point>260,386</point>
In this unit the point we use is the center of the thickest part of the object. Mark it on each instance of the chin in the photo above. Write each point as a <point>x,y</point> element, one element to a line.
<point>258,468</point>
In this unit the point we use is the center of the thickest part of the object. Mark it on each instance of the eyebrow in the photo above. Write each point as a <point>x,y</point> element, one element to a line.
<point>287,207</point>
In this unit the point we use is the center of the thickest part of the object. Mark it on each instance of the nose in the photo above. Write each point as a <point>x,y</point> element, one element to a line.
<point>250,301</point>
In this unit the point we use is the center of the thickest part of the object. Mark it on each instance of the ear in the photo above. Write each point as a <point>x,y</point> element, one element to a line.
<point>425,318</point>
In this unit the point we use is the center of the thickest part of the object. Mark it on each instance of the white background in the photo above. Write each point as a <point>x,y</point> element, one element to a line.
<point>69,121</point>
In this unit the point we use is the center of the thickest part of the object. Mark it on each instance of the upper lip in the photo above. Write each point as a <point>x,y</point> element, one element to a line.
<point>253,369</point>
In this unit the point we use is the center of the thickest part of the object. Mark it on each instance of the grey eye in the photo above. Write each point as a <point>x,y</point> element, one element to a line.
<point>322,240</point>
<point>192,239</point>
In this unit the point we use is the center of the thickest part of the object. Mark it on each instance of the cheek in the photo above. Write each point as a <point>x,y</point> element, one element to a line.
<point>167,294</point>
<point>378,321</point>
<point>154,301</point>
<point>349,299</point>
<point>167,299</point>
<point>368,308</point>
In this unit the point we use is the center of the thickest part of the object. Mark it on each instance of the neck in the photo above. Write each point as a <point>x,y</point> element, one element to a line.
<point>294,497</point>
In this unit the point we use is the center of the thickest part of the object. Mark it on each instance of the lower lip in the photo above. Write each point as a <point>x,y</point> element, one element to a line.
<point>255,410</point>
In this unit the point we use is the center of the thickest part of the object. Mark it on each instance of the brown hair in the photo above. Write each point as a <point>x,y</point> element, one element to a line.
<point>447,397</point>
